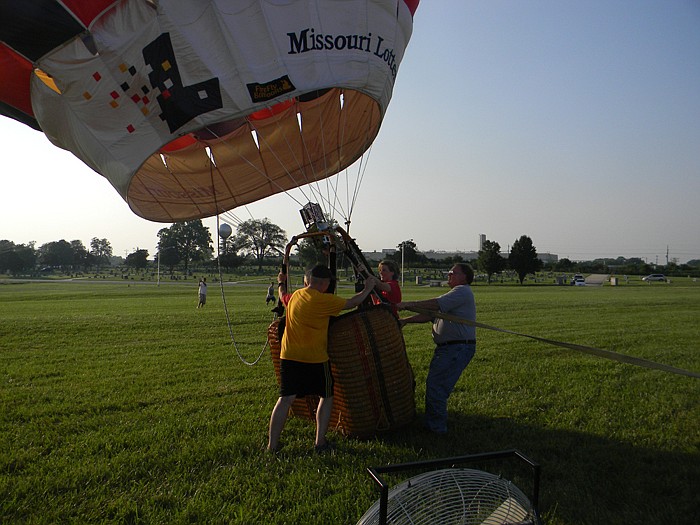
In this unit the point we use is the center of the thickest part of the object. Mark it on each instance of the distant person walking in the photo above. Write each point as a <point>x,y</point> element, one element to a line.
<point>202,292</point>
<point>270,294</point>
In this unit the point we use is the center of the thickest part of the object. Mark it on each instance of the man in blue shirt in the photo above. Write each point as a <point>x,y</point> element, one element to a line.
<point>455,343</point>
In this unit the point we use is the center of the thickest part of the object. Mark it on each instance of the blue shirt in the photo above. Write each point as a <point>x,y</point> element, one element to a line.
<point>459,301</point>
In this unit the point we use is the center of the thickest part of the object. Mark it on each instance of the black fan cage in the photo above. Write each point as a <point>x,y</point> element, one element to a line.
<point>454,495</point>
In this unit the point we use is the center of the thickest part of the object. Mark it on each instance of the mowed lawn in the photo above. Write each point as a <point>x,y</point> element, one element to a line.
<point>123,403</point>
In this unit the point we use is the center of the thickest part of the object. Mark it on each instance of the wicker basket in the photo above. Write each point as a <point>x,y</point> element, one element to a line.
<point>374,385</point>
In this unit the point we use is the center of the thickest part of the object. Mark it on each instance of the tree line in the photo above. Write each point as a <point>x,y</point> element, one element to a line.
<point>186,244</point>
<point>523,260</point>
<point>22,258</point>
<point>180,246</point>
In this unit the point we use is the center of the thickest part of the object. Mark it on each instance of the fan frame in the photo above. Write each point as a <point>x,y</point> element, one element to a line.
<point>376,473</point>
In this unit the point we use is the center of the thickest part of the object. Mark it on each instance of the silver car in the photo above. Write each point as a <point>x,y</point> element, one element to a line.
<point>578,280</point>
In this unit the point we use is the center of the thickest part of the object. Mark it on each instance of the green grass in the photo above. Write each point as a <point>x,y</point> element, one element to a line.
<point>122,403</point>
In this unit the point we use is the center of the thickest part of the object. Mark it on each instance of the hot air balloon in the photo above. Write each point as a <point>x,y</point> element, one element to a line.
<point>189,108</point>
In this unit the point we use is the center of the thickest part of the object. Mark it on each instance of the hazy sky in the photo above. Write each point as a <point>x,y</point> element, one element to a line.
<point>575,123</point>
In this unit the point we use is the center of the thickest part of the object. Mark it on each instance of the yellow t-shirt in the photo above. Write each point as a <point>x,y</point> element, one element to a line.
<point>305,336</point>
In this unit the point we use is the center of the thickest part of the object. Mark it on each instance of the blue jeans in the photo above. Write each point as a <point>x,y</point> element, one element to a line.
<point>447,365</point>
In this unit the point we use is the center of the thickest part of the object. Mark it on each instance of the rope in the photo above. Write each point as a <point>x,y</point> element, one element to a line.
<point>228,318</point>
<point>331,199</point>
<point>221,283</point>
<point>606,354</point>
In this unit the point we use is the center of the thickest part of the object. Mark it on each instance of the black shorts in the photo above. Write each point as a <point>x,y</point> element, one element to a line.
<point>305,379</point>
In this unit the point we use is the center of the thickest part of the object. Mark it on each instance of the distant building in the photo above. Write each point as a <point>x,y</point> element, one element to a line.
<point>378,256</point>
<point>482,240</point>
<point>430,254</point>
<point>440,255</point>
<point>548,258</point>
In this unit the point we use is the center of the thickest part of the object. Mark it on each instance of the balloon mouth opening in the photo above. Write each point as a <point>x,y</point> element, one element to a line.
<point>230,163</point>
<point>220,130</point>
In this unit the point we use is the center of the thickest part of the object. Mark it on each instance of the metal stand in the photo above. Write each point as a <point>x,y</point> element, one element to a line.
<point>451,462</point>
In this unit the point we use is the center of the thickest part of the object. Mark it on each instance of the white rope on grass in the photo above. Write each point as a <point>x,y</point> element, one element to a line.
<point>598,352</point>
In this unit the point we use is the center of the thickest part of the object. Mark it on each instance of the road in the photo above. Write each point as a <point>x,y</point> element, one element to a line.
<point>597,279</point>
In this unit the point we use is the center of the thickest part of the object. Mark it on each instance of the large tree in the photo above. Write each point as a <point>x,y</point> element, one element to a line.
<point>186,242</point>
<point>523,258</point>
<point>315,250</point>
<point>168,255</point>
<point>309,254</point>
<point>137,260</point>
<point>261,238</point>
<point>56,254</point>
<point>565,265</point>
<point>490,260</point>
<point>229,252</point>
<point>81,257</point>
<point>16,258</point>
<point>406,253</point>
<point>101,250</point>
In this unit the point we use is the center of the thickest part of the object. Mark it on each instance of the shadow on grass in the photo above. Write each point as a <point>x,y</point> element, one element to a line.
<point>585,479</point>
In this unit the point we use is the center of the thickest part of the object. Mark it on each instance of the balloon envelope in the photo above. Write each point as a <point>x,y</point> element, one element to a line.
<point>189,108</point>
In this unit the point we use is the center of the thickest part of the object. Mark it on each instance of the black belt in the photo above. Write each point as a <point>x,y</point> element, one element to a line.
<point>459,342</point>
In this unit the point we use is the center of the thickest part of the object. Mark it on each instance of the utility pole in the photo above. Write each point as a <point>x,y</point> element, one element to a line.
<point>403,244</point>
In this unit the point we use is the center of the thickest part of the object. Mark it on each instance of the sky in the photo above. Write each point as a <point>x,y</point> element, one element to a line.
<point>574,123</point>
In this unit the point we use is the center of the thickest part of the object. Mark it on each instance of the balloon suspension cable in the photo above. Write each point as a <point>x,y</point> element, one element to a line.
<point>330,197</point>
<point>357,259</point>
<point>228,317</point>
<point>221,285</point>
<point>361,170</point>
<point>331,201</point>
<point>251,164</point>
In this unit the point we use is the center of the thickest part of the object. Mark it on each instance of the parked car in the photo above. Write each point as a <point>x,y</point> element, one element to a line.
<point>578,280</point>
<point>654,277</point>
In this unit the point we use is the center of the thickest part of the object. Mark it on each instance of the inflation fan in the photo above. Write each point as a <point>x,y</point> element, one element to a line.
<point>451,494</point>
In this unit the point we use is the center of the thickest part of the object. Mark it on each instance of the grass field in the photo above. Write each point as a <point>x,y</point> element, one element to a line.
<point>123,403</point>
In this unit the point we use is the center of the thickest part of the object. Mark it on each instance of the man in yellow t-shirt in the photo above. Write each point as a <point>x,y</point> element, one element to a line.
<point>304,366</point>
